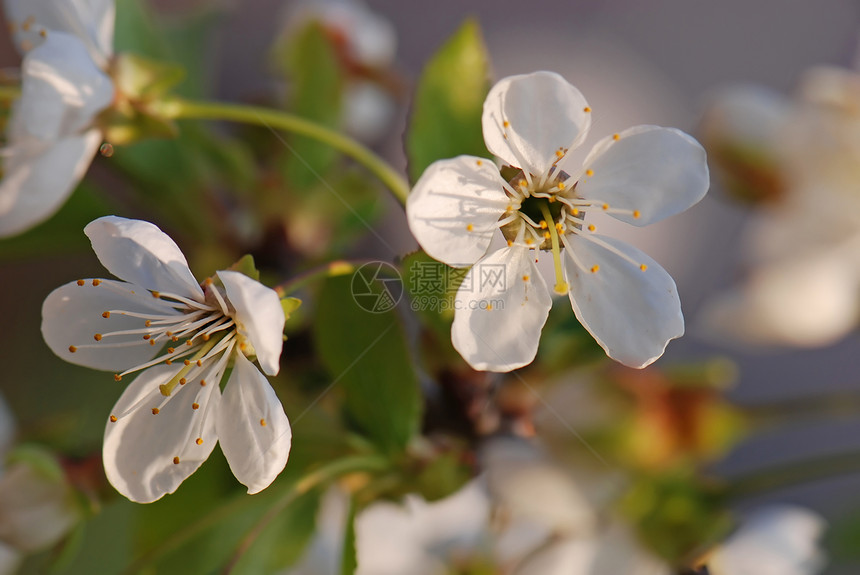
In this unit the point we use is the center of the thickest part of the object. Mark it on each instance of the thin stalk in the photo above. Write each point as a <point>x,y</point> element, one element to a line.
<point>179,109</point>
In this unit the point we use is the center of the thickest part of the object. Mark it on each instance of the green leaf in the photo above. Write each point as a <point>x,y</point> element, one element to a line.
<point>290,304</point>
<point>449,100</point>
<point>349,560</point>
<point>245,265</point>
<point>366,354</point>
<point>316,88</point>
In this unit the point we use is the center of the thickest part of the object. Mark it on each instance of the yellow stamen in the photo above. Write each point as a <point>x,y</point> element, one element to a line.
<point>591,227</point>
<point>113,418</point>
<point>176,461</point>
<point>586,109</point>
<point>595,268</point>
<point>616,137</point>
<point>636,214</point>
<point>643,267</point>
<point>589,172</point>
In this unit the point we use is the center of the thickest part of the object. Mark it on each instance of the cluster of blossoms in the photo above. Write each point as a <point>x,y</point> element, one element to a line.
<point>639,176</point>
<point>183,337</point>
<point>52,134</point>
<point>792,156</point>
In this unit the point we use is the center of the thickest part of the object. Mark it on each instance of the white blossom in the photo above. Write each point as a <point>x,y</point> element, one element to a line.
<point>51,137</point>
<point>622,297</point>
<point>182,337</point>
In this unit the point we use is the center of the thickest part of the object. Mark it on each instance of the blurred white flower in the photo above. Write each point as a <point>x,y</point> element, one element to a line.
<point>620,295</point>
<point>780,540</point>
<point>37,505</point>
<point>182,336</point>
<point>417,537</point>
<point>366,44</point>
<point>799,157</point>
<point>51,137</point>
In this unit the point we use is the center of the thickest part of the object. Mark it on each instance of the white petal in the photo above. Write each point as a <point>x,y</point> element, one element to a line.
<point>72,315</point>
<point>92,21</point>
<point>139,448</point>
<point>633,314</point>
<point>40,176</point>
<point>453,209</point>
<point>657,171</point>
<point>253,428</point>
<point>140,253</point>
<point>260,317</point>
<point>805,300</point>
<point>501,307</point>
<point>781,540</point>
<point>37,507</point>
<point>545,114</point>
<point>62,89</point>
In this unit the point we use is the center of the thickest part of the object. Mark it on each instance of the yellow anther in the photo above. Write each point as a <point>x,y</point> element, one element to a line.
<point>186,362</point>
<point>168,361</point>
<point>72,349</point>
<point>188,342</point>
<point>155,411</point>
<point>182,381</point>
<point>489,307</point>
<point>202,383</point>
<point>113,418</point>
<point>559,226</point>
<point>595,268</point>
<point>205,337</point>
<point>195,406</point>
<point>510,243</point>
<point>43,33</point>
<point>243,346</point>
<point>506,124</point>
<point>262,423</point>
<point>117,377</point>
<point>591,227</point>
<point>575,211</point>
<point>146,336</point>
<point>170,350</point>
<point>199,363</point>
<point>174,339</point>
<point>97,337</point>
<point>551,199</point>
<point>28,23</point>
<point>586,109</point>
<point>543,224</point>
<point>152,342</point>
<point>168,333</point>
<point>81,282</point>
<point>547,235</point>
<point>523,184</point>
<point>96,282</point>
<point>605,206</point>
<point>643,267</point>
<point>616,137</point>
<point>525,278</point>
<point>199,441</point>
<point>208,281</point>
<point>479,162</point>
<point>176,461</point>
<point>636,214</point>
<point>561,185</point>
<point>589,172</point>
<point>529,241</point>
<point>469,227</point>
<point>106,314</point>
<point>156,294</point>
<point>559,154</point>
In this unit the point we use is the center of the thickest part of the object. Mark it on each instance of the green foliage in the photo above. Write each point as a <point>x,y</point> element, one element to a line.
<point>349,559</point>
<point>311,64</point>
<point>367,356</point>
<point>449,100</point>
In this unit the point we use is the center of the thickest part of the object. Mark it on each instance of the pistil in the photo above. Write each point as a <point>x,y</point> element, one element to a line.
<point>561,286</point>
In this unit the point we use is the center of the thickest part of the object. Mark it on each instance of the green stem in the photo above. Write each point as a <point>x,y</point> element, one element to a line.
<point>186,109</point>
<point>319,477</point>
<point>329,270</point>
<point>220,514</point>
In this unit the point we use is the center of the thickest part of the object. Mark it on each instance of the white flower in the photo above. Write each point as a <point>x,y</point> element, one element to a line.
<point>51,138</point>
<point>182,336</point>
<point>622,297</point>
<point>803,273</point>
<point>779,540</point>
<point>418,538</point>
